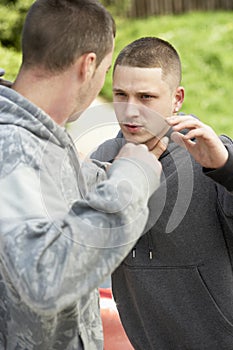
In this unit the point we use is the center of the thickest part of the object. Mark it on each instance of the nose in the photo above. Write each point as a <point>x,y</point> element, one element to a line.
<point>131,110</point>
<point>126,111</point>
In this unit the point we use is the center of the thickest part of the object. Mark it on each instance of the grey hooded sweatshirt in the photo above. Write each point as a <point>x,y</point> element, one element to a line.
<point>174,291</point>
<point>63,229</point>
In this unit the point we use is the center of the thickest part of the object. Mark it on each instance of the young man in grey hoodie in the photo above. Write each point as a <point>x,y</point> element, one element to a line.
<point>174,291</point>
<point>59,239</point>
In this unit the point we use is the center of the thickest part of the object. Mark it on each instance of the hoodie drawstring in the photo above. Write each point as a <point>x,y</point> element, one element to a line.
<point>134,253</point>
<point>150,246</point>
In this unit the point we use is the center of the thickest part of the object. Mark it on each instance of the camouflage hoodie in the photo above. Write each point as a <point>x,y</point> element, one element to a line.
<point>63,229</point>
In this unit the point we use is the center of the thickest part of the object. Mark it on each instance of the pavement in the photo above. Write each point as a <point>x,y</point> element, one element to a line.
<point>97,124</point>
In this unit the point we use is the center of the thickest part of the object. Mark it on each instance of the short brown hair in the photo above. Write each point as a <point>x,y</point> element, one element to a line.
<point>151,52</point>
<point>56,32</point>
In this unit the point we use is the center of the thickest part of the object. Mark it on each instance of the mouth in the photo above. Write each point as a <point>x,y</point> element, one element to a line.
<point>132,128</point>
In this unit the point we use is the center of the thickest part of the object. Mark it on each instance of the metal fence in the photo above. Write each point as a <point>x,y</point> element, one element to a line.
<point>145,8</point>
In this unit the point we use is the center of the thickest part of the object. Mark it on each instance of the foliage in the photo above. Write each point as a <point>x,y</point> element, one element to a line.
<point>12,16</point>
<point>117,7</point>
<point>10,62</point>
<point>204,41</point>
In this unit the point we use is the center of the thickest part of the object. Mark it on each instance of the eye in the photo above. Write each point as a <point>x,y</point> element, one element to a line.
<point>119,94</point>
<point>146,97</point>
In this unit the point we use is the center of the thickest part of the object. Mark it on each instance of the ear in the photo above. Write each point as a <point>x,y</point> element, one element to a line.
<point>87,66</point>
<point>178,99</point>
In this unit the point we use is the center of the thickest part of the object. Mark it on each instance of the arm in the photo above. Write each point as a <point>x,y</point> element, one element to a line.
<point>52,260</point>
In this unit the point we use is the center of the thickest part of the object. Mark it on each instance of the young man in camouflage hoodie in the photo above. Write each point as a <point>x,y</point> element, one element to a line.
<point>59,239</point>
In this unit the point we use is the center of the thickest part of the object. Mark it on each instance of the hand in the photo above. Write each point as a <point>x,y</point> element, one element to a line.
<point>201,141</point>
<point>141,153</point>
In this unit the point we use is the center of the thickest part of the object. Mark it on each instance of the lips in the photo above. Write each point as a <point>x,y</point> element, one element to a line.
<point>133,128</point>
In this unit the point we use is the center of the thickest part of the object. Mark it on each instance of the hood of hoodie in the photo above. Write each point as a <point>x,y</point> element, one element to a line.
<point>17,110</point>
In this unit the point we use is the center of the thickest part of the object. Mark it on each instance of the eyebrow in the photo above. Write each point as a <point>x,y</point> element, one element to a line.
<point>141,92</point>
<point>117,89</point>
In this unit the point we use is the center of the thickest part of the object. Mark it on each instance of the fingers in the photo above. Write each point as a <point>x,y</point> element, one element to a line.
<point>194,127</point>
<point>184,122</point>
<point>200,141</point>
<point>181,140</point>
<point>130,150</point>
<point>160,147</point>
<point>141,153</point>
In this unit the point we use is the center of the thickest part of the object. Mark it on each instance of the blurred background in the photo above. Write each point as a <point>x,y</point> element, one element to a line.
<point>201,31</point>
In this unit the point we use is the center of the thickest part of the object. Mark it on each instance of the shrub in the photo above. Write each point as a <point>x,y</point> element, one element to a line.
<point>12,17</point>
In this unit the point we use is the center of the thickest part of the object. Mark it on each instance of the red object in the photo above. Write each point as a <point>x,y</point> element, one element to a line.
<point>115,337</point>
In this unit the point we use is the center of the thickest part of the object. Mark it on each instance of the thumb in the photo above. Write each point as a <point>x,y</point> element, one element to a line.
<point>160,147</point>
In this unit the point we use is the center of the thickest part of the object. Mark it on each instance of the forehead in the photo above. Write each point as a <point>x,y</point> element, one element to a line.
<point>137,78</point>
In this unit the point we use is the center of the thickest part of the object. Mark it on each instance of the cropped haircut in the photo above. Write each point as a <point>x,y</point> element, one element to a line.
<point>152,52</point>
<point>57,32</point>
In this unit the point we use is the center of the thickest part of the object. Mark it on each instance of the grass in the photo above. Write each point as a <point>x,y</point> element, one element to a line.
<point>205,44</point>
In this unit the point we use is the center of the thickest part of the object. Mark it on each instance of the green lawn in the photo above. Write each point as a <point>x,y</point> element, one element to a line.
<point>205,44</point>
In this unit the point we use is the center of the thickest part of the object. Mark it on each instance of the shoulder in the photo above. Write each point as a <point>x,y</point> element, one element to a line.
<point>17,146</point>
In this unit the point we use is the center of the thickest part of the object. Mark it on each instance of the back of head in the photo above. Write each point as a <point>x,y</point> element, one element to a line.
<point>152,52</point>
<point>57,32</point>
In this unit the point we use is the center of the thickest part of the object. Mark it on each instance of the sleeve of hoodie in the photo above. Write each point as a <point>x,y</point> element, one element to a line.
<point>224,175</point>
<point>53,260</point>
<point>224,180</point>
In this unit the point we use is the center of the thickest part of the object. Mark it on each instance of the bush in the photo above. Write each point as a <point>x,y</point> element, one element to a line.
<point>118,7</point>
<point>10,61</point>
<point>12,18</point>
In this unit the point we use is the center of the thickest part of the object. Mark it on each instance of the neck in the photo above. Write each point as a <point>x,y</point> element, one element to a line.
<point>54,94</point>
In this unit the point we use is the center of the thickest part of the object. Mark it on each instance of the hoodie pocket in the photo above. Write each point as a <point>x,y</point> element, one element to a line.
<point>221,319</point>
<point>226,203</point>
<point>177,306</point>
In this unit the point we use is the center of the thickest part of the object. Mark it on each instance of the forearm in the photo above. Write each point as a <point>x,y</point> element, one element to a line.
<point>54,259</point>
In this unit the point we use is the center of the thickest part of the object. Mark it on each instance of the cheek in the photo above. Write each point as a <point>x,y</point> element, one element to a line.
<point>103,77</point>
<point>100,79</point>
<point>119,108</point>
<point>164,108</point>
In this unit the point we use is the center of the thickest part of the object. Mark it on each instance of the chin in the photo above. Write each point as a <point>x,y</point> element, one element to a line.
<point>135,139</point>
<point>139,137</point>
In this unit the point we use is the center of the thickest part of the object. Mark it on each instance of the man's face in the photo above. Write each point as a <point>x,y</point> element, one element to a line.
<point>142,100</point>
<point>91,87</point>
